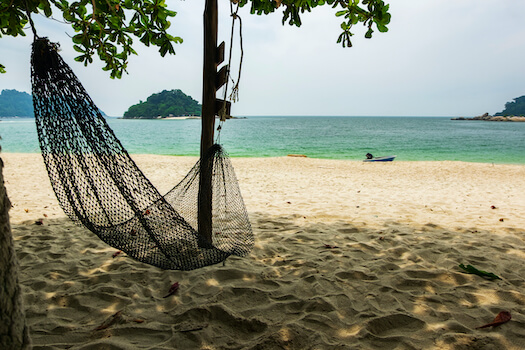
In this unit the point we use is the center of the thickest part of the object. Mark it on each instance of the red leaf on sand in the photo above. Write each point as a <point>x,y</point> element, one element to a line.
<point>116,253</point>
<point>173,289</point>
<point>501,318</point>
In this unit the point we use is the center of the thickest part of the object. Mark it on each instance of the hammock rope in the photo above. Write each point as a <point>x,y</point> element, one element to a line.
<point>99,186</point>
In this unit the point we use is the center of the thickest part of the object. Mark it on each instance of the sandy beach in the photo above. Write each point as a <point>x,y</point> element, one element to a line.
<point>348,255</point>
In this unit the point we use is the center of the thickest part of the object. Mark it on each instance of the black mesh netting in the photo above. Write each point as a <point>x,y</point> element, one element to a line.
<point>101,187</point>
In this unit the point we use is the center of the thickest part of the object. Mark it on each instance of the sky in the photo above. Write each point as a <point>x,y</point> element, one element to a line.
<point>439,58</point>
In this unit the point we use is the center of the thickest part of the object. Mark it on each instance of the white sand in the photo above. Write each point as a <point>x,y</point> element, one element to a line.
<point>389,280</point>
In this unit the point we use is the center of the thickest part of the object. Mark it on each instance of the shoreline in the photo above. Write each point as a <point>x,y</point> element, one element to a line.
<point>291,156</point>
<point>347,254</point>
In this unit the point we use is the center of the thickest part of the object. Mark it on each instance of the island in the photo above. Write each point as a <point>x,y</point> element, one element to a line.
<point>172,104</point>
<point>19,104</point>
<point>15,103</point>
<point>514,112</point>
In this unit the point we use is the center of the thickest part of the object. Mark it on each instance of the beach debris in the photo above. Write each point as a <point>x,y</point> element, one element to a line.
<point>329,246</point>
<point>116,254</point>
<point>147,212</point>
<point>472,270</point>
<point>45,215</point>
<point>39,222</point>
<point>173,289</point>
<point>26,210</point>
<point>501,318</point>
<point>501,220</point>
<point>116,317</point>
<point>493,207</point>
<point>297,155</point>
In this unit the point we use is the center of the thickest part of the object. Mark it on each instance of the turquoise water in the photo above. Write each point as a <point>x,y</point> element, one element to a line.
<point>410,138</point>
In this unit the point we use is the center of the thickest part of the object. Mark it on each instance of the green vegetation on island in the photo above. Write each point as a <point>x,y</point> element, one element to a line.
<point>513,112</point>
<point>15,103</point>
<point>172,103</point>
<point>514,108</point>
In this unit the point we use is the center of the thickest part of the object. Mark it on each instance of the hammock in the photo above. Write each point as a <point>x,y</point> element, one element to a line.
<point>99,186</point>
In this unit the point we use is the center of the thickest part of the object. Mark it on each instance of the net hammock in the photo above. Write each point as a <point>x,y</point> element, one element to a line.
<point>99,186</point>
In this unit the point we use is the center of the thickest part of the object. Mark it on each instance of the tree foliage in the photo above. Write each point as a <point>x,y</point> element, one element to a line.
<point>102,27</point>
<point>514,108</point>
<point>107,27</point>
<point>15,104</point>
<point>368,12</point>
<point>166,103</point>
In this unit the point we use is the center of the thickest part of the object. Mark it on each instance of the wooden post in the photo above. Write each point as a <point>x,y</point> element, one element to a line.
<point>207,118</point>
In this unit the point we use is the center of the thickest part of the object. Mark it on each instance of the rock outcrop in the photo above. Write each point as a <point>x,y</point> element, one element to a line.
<point>487,117</point>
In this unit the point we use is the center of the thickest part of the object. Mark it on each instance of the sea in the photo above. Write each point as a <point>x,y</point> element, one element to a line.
<point>348,138</point>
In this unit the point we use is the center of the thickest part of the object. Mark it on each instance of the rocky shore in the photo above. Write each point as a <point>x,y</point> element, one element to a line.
<point>498,118</point>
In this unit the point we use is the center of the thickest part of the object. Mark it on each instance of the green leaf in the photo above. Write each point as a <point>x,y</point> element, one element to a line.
<point>381,28</point>
<point>472,270</point>
<point>78,48</point>
<point>78,39</point>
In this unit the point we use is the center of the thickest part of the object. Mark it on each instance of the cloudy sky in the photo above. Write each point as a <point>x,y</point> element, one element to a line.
<point>439,58</point>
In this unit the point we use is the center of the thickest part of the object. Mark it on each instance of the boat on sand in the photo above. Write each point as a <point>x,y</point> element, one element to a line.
<point>370,158</point>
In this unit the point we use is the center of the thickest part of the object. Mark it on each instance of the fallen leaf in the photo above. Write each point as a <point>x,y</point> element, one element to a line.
<point>26,210</point>
<point>493,207</point>
<point>116,253</point>
<point>501,318</point>
<point>173,289</point>
<point>472,270</point>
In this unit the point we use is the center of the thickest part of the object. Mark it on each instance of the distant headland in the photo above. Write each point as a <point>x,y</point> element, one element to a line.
<point>15,103</point>
<point>18,104</point>
<point>514,112</point>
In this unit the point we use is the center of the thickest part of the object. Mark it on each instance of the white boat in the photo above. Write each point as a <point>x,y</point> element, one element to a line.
<point>380,159</point>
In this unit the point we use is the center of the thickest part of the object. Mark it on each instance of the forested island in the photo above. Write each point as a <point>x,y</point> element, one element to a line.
<point>15,103</point>
<point>514,112</point>
<point>165,104</point>
<point>18,104</point>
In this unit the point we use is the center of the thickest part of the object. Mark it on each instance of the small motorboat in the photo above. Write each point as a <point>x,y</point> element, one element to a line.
<point>371,158</point>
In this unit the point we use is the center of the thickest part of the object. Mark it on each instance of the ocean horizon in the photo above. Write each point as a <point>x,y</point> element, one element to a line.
<point>326,137</point>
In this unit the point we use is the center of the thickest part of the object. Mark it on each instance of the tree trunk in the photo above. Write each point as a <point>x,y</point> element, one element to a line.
<point>14,333</point>
<point>208,118</point>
